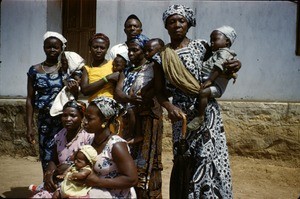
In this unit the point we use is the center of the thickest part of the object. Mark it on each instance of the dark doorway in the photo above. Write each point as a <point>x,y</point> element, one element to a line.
<point>79,24</point>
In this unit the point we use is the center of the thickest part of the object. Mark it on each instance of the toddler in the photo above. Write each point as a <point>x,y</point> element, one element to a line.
<point>213,74</point>
<point>119,63</point>
<point>71,65</point>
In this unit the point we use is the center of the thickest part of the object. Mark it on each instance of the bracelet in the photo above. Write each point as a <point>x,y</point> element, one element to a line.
<point>105,79</point>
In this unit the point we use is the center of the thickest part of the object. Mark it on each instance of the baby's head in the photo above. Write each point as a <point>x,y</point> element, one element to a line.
<point>119,63</point>
<point>87,155</point>
<point>222,37</point>
<point>152,47</point>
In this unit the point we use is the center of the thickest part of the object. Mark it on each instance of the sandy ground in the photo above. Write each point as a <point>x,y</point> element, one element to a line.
<point>252,178</point>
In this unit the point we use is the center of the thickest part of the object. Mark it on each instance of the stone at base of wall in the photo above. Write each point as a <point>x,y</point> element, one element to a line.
<point>256,129</point>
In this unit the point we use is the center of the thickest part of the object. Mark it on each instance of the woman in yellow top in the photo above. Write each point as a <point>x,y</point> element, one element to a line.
<point>98,79</point>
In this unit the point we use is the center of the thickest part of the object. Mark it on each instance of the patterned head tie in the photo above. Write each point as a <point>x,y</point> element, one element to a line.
<point>56,35</point>
<point>229,32</point>
<point>109,108</point>
<point>182,10</point>
<point>140,40</point>
<point>79,105</point>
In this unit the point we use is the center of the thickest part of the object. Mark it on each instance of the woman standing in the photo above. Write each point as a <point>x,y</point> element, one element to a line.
<point>98,79</point>
<point>114,171</point>
<point>66,142</point>
<point>43,84</point>
<point>212,176</point>
<point>147,154</point>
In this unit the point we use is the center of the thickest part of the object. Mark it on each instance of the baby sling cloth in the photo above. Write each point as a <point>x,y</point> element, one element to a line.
<point>177,74</point>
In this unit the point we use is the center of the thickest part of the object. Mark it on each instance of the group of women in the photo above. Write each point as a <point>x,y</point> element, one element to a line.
<point>119,169</point>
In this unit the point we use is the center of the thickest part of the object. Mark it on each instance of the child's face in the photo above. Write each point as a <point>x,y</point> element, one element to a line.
<point>151,48</point>
<point>218,40</point>
<point>80,160</point>
<point>118,64</point>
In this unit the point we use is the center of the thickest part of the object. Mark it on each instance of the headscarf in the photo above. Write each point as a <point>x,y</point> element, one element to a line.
<point>79,105</point>
<point>109,108</point>
<point>90,153</point>
<point>182,10</point>
<point>140,40</point>
<point>229,32</point>
<point>99,36</point>
<point>56,35</point>
<point>75,61</point>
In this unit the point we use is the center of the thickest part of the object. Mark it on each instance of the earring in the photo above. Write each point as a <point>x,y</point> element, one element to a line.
<point>103,125</point>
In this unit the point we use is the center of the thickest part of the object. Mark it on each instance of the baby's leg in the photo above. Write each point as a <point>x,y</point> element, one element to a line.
<point>203,100</point>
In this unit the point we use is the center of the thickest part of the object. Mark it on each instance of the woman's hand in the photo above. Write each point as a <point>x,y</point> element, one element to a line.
<point>175,113</point>
<point>48,180</point>
<point>73,87</point>
<point>30,136</point>
<point>233,65</point>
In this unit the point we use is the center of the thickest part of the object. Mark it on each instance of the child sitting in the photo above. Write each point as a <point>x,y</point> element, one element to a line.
<point>215,77</point>
<point>84,162</point>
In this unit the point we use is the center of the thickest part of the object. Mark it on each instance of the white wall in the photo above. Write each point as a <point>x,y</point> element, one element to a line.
<point>265,44</point>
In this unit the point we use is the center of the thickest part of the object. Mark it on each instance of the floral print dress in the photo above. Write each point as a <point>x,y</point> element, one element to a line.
<point>105,167</point>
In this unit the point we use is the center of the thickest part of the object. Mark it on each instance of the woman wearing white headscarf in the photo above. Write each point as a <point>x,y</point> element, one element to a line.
<point>45,80</point>
<point>211,176</point>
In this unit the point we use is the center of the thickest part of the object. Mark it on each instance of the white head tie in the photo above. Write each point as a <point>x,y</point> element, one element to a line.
<point>229,32</point>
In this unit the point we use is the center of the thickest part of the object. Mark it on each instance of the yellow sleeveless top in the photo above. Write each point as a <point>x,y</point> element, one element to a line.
<point>96,73</point>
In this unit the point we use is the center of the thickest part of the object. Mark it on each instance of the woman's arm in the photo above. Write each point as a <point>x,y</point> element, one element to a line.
<point>90,89</point>
<point>127,171</point>
<point>120,96</point>
<point>30,110</point>
<point>174,113</point>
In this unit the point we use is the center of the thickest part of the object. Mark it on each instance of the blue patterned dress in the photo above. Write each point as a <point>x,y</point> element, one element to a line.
<point>46,87</point>
<point>212,177</point>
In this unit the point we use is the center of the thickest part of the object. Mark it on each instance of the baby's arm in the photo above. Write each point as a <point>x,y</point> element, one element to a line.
<point>63,175</point>
<point>80,175</point>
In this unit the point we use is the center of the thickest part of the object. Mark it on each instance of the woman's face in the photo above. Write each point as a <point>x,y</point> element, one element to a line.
<point>92,120</point>
<point>71,118</point>
<point>99,49</point>
<point>135,53</point>
<point>177,26</point>
<point>52,48</point>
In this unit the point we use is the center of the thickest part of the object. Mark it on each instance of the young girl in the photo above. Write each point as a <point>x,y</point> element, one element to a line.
<point>45,80</point>
<point>84,161</point>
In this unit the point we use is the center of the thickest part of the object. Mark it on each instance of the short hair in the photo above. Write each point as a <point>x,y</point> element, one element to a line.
<point>99,36</point>
<point>159,41</point>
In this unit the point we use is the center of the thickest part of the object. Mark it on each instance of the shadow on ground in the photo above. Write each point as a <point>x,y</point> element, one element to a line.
<point>17,192</point>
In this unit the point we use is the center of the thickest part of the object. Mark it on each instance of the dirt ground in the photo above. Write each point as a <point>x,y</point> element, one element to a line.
<point>252,178</point>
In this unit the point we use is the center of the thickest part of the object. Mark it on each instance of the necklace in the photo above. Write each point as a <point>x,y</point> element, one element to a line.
<point>99,144</point>
<point>47,72</point>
